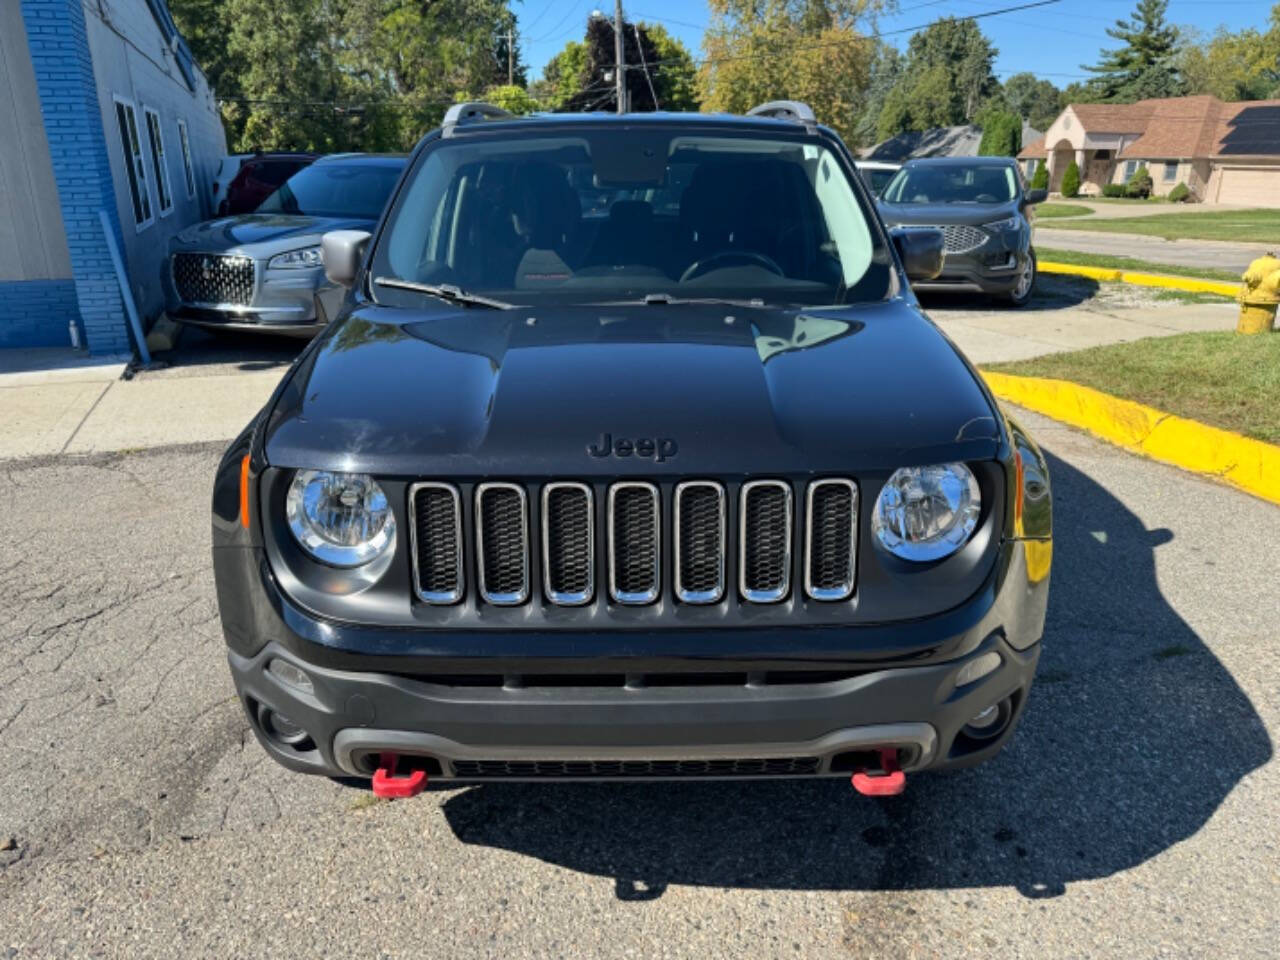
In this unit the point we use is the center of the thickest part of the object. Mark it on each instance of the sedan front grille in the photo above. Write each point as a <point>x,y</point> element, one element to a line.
<point>609,769</point>
<point>502,542</point>
<point>495,542</point>
<point>213,279</point>
<point>960,238</point>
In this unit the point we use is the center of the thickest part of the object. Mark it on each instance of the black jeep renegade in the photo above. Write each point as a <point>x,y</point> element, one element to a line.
<point>631,455</point>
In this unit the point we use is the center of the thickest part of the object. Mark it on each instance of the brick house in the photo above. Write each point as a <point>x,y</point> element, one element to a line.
<point>1223,152</point>
<point>104,111</point>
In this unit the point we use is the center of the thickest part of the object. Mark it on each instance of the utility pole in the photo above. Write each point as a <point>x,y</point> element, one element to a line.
<point>511,55</point>
<point>619,67</point>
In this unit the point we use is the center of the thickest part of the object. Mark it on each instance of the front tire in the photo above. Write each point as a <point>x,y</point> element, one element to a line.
<point>1020,295</point>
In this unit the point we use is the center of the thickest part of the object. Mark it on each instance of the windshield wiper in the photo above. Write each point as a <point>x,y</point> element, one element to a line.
<point>665,299</point>
<point>446,291</point>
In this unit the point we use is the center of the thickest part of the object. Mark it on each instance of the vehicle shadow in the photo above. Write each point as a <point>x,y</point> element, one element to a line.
<point>199,348</point>
<point>1052,292</point>
<point>1134,734</point>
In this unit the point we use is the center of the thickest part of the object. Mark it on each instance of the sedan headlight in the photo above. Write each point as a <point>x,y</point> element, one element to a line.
<point>1008,224</point>
<point>342,519</point>
<point>927,513</point>
<point>295,259</point>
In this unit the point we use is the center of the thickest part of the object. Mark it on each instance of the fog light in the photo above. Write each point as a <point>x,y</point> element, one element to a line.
<point>287,673</point>
<point>991,722</point>
<point>280,728</point>
<point>986,718</point>
<point>976,669</point>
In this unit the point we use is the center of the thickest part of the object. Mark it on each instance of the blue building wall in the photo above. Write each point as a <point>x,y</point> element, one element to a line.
<point>36,312</point>
<point>59,48</point>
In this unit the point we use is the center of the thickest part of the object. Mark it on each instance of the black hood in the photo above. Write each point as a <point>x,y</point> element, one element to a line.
<point>250,228</point>
<point>944,214</point>
<point>458,392</point>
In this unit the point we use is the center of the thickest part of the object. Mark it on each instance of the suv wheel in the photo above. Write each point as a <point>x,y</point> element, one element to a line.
<point>1020,295</point>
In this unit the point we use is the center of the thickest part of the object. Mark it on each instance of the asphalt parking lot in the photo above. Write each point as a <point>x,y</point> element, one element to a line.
<point>1136,814</point>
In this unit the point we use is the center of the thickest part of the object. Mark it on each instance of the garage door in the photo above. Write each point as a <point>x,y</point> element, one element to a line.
<point>1259,188</point>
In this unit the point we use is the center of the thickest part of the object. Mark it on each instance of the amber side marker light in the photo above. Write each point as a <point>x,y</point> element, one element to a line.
<point>244,492</point>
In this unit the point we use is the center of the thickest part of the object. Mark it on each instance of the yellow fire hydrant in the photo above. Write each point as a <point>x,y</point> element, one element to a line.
<point>1260,295</point>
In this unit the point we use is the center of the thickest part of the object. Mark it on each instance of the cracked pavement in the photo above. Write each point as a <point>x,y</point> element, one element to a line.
<point>1136,813</point>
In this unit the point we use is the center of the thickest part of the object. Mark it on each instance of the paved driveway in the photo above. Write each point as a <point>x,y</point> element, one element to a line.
<point>1185,253</point>
<point>1136,814</point>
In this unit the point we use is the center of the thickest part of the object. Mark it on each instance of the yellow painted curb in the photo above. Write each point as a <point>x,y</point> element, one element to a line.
<point>1111,275</point>
<point>1243,462</point>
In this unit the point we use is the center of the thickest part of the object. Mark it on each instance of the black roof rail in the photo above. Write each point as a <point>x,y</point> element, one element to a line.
<point>792,110</point>
<point>469,112</point>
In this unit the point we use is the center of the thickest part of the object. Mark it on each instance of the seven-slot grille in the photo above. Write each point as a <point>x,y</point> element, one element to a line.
<point>960,238</point>
<point>210,278</point>
<point>498,550</point>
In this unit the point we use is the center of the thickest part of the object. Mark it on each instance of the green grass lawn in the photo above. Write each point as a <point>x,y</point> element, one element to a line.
<point>1051,211</point>
<point>1051,254</point>
<point>1242,226</point>
<point>1223,379</point>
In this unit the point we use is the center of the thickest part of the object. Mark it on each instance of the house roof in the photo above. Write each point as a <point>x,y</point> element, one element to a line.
<point>1182,127</point>
<point>1033,151</point>
<point>960,141</point>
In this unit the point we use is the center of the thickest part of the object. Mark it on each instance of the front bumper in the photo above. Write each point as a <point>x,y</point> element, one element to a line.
<point>631,717</point>
<point>990,272</point>
<point>293,302</point>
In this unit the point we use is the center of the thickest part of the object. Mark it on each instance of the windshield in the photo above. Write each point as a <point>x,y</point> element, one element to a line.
<point>877,177</point>
<point>970,183</point>
<point>611,215</point>
<point>357,190</point>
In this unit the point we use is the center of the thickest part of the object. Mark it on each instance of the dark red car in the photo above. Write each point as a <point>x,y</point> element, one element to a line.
<point>258,178</point>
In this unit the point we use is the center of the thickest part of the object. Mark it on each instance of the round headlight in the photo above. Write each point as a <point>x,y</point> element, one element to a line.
<point>927,513</point>
<point>342,519</point>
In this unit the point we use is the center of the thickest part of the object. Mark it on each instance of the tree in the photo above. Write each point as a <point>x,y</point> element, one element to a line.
<point>948,78</point>
<point>1146,65</point>
<point>511,98</point>
<point>1001,134</point>
<point>675,78</point>
<point>887,67</point>
<point>1035,100</point>
<point>563,76</point>
<point>812,50</point>
<point>1040,179</point>
<point>580,77</point>
<point>1071,180</point>
<point>1234,66</point>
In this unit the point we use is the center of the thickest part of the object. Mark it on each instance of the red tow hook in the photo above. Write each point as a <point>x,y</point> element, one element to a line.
<point>387,785</point>
<point>889,783</point>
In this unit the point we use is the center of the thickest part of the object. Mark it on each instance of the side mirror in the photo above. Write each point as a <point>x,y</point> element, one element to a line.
<point>342,252</point>
<point>1039,195</point>
<point>921,250</point>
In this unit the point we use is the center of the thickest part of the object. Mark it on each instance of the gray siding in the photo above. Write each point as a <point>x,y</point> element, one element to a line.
<point>33,245</point>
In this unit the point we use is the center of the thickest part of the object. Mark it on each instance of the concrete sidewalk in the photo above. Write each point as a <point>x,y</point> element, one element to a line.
<point>89,409</point>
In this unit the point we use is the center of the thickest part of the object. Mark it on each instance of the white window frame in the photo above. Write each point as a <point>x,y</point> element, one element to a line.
<point>1130,168</point>
<point>188,169</point>
<point>134,162</point>
<point>159,161</point>
<point>1170,172</point>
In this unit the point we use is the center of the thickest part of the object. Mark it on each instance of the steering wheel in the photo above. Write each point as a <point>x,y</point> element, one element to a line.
<point>743,257</point>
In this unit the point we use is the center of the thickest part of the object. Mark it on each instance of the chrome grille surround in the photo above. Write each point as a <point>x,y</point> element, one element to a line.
<point>699,568</point>
<point>961,238</point>
<point>751,549</point>
<point>213,279</point>
<point>825,540</point>
<point>441,526</point>
<point>581,569</point>
<point>635,591</point>
<point>495,558</point>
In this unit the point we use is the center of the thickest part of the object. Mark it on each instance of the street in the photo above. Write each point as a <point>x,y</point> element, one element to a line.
<point>1135,813</point>
<point>1177,253</point>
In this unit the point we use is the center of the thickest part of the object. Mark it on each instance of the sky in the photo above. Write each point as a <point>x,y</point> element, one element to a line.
<point>1051,41</point>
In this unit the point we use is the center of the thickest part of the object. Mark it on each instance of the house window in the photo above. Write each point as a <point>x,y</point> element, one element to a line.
<point>1030,167</point>
<point>133,163</point>
<point>185,143</point>
<point>1170,171</point>
<point>1130,168</point>
<point>158,163</point>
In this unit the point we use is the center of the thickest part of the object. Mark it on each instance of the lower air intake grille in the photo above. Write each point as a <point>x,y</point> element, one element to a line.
<point>633,543</point>
<point>700,523</point>
<point>437,542</point>
<point>832,535</point>
<point>567,543</point>
<point>502,541</point>
<point>765,546</point>
<point>587,769</point>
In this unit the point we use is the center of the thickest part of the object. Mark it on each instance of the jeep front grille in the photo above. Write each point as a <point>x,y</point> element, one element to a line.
<point>585,534</point>
<point>765,541</point>
<point>634,543</point>
<point>436,530</point>
<point>502,543</point>
<point>212,279</point>
<point>568,543</point>
<point>962,238</point>
<point>700,546</point>
<point>831,520</point>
